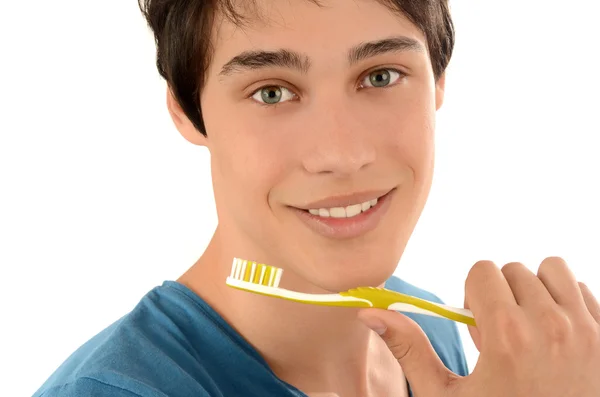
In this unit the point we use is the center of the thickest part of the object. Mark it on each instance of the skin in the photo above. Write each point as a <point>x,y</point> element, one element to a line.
<point>335,135</point>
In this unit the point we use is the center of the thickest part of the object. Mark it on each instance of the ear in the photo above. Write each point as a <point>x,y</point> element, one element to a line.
<point>440,89</point>
<point>182,123</point>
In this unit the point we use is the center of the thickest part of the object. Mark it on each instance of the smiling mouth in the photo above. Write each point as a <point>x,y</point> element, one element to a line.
<point>344,212</point>
<point>348,211</point>
<point>350,221</point>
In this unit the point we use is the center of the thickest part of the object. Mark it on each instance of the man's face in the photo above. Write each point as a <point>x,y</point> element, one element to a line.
<point>324,107</point>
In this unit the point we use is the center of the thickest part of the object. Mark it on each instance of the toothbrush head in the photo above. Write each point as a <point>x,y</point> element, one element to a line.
<point>263,279</point>
<point>255,273</point>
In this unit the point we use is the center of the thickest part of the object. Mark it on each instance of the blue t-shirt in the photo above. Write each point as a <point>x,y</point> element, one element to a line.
<point>174,344</point>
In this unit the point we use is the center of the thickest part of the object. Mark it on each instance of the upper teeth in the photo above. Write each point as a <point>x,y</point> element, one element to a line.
<point>344,212</point>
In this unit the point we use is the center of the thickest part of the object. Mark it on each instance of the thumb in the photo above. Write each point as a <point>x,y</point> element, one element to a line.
<point>426,373</point>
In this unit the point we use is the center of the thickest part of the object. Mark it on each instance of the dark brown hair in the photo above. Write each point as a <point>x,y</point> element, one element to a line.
<point>182,31</point>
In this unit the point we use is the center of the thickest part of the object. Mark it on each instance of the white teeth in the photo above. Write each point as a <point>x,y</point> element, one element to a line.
<point>344,212</point>
<point>324,212</point>
<point>353,210</point>
<point>337,212</point>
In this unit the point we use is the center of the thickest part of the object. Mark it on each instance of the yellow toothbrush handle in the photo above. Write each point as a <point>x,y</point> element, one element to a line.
<point>464,316</point>
<point>392,300</point>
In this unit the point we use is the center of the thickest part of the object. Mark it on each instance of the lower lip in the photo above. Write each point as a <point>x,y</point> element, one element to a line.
<point>347,228</point>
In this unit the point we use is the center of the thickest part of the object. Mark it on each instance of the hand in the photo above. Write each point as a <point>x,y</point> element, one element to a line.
<point>537,336</point>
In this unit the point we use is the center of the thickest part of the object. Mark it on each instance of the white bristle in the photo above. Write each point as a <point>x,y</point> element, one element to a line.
<point>253,271</point>
<point>278,277</point>
<point>271,277</point>
<point>243,274</point>
<point>238,269</point>
<point>233,266</point>
<point>262,274</point>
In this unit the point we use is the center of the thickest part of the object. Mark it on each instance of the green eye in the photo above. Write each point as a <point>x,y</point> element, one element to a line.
<point>381,78</point>
<point>272,95</point>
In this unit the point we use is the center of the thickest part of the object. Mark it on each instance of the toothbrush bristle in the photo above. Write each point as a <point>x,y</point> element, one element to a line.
<point>244,264</point>
<point>256,273</point>
<point>252,272</point>
<point>233,268</point>
<point>278,277</point>
<point>262,275</point>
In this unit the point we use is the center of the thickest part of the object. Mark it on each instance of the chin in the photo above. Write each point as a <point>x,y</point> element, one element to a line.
<point>351,275</point>
<point>318,265</point>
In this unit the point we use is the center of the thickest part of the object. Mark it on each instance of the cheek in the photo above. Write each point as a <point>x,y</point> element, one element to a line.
<point>248,156</point>
<point>246,166</point>
<point>410,136</point>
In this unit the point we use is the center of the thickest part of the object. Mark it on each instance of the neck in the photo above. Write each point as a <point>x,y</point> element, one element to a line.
<point>315,348</point>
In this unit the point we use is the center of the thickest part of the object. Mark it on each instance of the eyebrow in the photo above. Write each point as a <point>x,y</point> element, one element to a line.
<point>255,60</point>
<point>390,45</point>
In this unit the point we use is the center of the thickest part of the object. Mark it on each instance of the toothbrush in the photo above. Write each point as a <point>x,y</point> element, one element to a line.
<point>264,280</point>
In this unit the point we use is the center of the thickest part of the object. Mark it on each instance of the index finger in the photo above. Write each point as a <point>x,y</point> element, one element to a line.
<point>487,289</point>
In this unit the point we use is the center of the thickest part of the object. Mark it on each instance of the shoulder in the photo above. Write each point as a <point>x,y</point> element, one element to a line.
<point>86,386</point>
<point>138,355</point>
<point>99,386</point>
<point>442,333</point>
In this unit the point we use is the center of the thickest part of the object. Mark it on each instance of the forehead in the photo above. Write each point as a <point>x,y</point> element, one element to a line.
<point>326,30</point>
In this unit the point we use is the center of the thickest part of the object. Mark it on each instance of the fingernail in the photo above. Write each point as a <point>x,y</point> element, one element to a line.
<point>375,324</point>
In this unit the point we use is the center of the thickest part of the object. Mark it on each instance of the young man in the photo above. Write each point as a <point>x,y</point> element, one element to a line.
<point>320,123</point>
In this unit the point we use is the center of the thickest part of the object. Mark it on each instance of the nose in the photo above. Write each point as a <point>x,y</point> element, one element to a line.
<point>340,143</point>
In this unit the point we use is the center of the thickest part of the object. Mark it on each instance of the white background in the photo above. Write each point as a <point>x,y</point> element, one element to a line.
<point>101,199</point>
